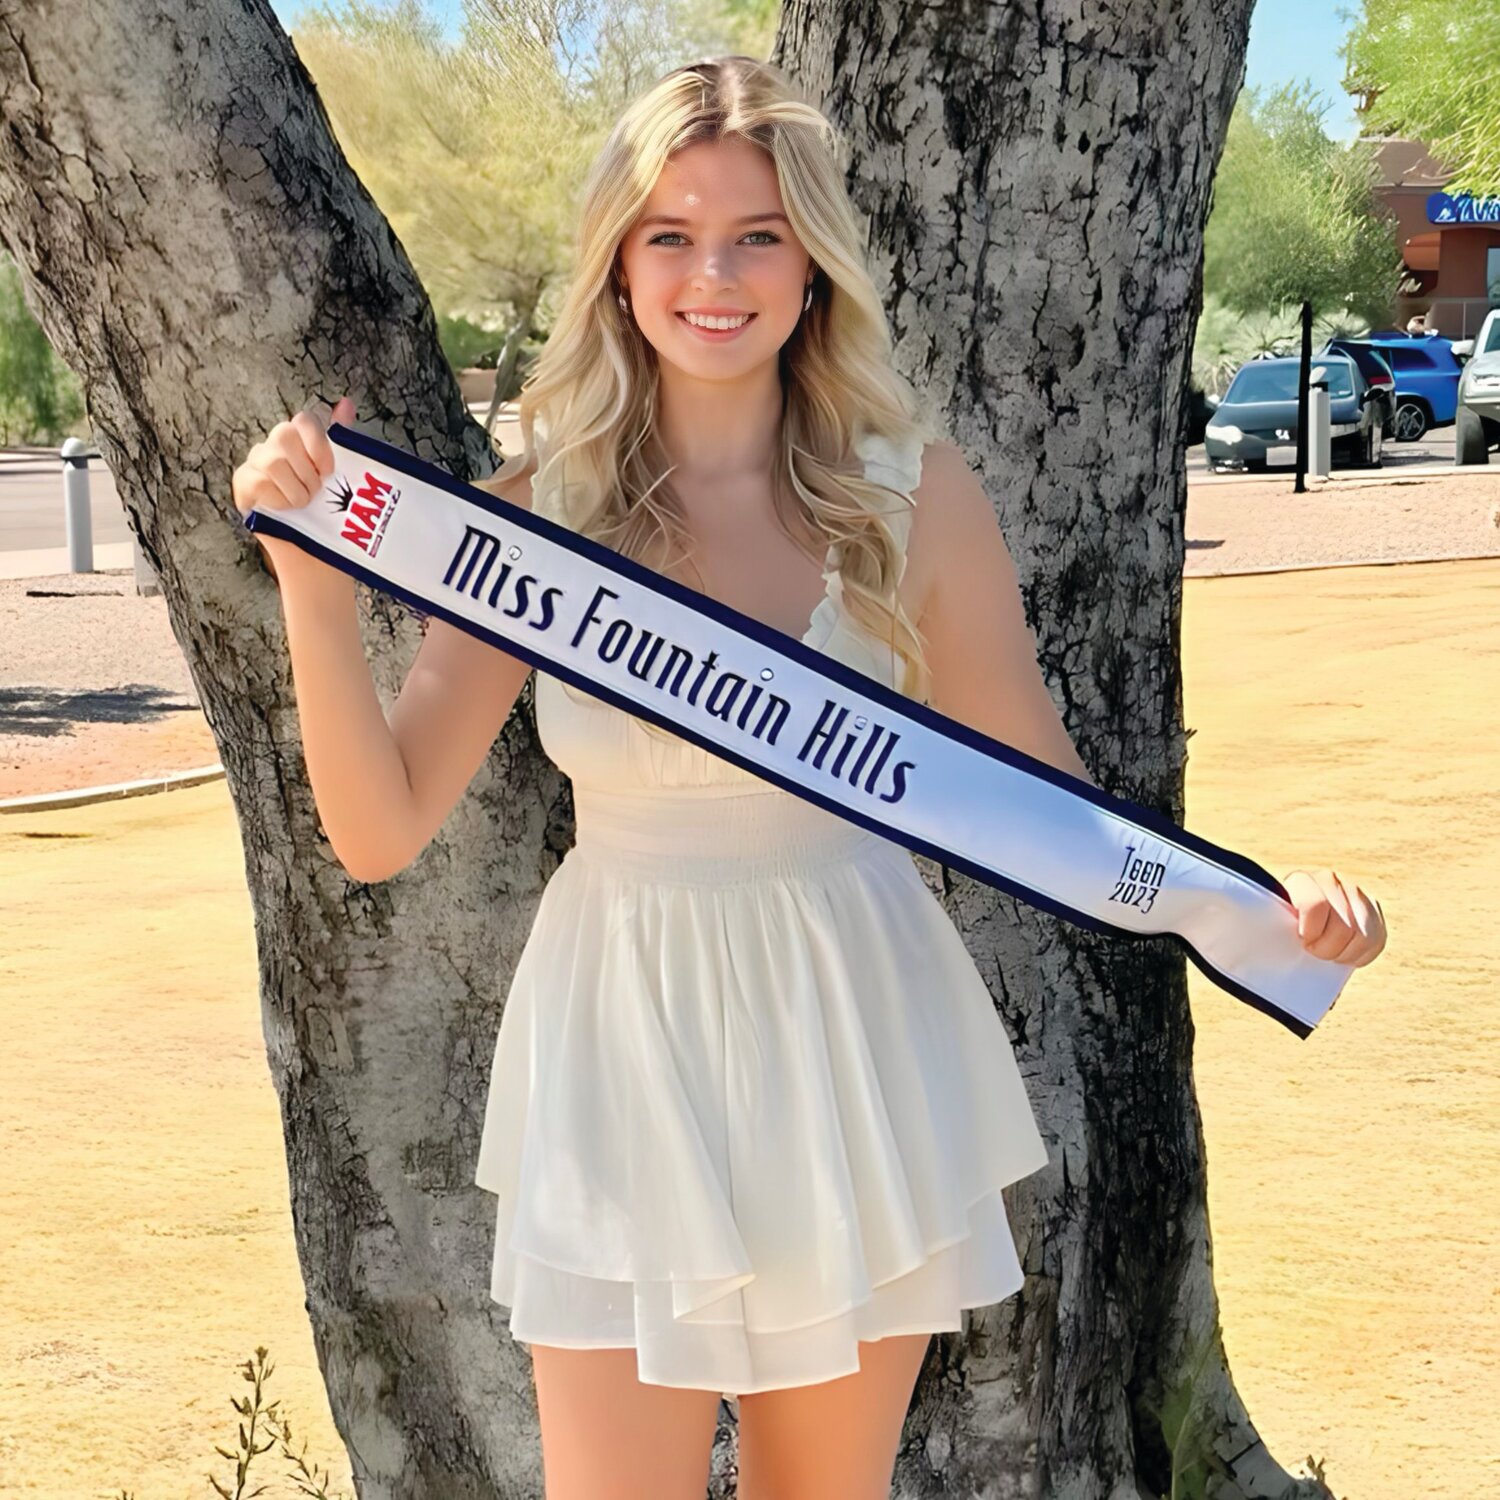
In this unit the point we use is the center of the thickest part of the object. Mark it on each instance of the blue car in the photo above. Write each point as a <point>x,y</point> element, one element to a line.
<point>1255,425</point>
<point>1427,373</point>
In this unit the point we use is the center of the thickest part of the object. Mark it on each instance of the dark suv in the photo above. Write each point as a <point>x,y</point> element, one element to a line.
<point>1255,425</point>
<point>1427,372</point>
<point>1376,369</point>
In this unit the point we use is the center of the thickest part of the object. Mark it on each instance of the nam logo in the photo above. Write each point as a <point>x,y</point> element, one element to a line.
<point>366,510</point>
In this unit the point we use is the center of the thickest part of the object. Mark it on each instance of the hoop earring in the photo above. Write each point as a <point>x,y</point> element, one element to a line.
<point>807,300</point>
<point>624,305</point>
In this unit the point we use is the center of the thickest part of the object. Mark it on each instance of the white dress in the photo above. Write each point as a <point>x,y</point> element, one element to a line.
<point>751,1101</point>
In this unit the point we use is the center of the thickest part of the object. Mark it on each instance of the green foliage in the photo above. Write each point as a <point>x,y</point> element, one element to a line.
<point>1190,1444</point>
<point>1434,69</point>
<point>475,149</point>
<point>466,344</point>
<point>40,397</point>
<point>1295,216</point>
<point>1197,1471</point>
<point>1226,338</point>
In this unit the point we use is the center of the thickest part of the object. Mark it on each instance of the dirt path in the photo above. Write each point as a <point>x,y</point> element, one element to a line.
<point>1354,1178</point>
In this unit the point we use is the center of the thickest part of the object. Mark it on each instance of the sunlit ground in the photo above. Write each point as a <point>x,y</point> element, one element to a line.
<point>1351,717</point>
<point>1344,717</point>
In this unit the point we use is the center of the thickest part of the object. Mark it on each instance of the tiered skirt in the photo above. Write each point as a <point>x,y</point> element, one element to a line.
<point>751,1102</point>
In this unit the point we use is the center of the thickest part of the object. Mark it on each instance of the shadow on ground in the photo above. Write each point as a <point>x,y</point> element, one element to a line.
<point>43,712</point>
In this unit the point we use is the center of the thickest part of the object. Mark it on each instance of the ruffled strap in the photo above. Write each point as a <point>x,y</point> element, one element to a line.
<point>899,465</point>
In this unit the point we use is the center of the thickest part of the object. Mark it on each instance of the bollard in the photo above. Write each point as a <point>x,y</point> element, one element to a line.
<point>1319,430</point>
<point>146,581</point>
<point>77,516</point>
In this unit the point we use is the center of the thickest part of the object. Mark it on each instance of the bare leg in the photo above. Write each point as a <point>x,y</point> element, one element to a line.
<point>608,1436</point>
<point>836,1438</point>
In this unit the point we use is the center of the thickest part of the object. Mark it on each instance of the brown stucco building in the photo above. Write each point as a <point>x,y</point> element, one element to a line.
<point>1450,244</point>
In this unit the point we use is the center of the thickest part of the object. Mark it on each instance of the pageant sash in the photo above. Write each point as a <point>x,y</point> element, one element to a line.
<point>803,721</point>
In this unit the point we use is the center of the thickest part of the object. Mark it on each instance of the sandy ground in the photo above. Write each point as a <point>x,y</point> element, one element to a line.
<point>1342,717</point>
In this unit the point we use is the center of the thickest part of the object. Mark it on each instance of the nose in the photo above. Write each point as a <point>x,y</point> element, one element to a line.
<point>718,260</point>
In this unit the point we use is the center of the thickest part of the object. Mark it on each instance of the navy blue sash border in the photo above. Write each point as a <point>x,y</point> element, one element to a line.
<point>856,681</point>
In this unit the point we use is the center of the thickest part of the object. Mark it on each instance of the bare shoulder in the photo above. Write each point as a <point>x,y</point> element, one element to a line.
<point>511,481</point>
<point>953,515</point>
<point>981,649</point>
<point>950,492</point>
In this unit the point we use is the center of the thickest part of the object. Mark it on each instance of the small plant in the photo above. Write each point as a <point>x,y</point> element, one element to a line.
<point>260,1418</point>
<point>1193,1459</point>
<point>306,1479</point>
<point>257,1373</point>
<point>1194,1462</point>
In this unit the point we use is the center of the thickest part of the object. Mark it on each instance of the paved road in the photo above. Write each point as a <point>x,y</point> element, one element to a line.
<point>33,531</point>
<point>1434,450</point>
<point>31,502</point>
<point>31,505</point>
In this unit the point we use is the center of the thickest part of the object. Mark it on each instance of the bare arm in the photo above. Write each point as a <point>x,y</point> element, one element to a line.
<point>414,764</point>
<point>981,651</point>
<point>452,706</point>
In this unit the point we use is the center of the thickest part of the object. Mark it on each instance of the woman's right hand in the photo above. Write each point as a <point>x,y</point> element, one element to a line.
<point>283,471</point>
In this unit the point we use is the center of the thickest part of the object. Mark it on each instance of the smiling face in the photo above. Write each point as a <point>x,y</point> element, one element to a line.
<point>729,250</point>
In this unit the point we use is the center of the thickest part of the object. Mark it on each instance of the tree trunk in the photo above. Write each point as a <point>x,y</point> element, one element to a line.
<point>506,383</point>
<point>198,251</point>
<point>1036,179</point>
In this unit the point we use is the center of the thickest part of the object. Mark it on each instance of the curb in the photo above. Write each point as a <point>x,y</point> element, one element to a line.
<point>83,796</point>
<point>1351,479</point>
<point>1352,562</point>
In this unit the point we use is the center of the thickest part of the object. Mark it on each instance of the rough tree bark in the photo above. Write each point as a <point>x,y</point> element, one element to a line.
<point>198,251</point>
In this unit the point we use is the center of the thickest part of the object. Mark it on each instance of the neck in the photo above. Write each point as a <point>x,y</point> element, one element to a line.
<point>717,430</point>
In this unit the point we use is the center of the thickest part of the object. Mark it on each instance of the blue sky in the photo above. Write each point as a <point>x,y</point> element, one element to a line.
<point>1290,41</point>
<point>1297,41</point>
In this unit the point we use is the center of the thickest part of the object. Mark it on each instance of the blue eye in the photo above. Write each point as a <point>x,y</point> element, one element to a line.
<point>672,234</point>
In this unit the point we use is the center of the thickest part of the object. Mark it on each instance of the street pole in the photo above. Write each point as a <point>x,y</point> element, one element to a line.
<point>1302,377</point>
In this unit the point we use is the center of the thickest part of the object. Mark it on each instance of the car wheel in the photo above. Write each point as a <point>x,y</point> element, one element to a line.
<point>1469,443</point>
<point>1411,422</point>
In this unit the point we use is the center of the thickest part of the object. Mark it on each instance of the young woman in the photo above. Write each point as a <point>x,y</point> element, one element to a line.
<point>752,1107</point>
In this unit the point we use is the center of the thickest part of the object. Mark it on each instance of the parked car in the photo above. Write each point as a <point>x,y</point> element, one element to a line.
<point>1427,374</point>
<point>1377,370</point>
<point>1477,420</point>
<point>1255,425</point>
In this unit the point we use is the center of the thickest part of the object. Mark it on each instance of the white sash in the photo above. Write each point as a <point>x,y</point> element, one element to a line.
<point>804,721</point>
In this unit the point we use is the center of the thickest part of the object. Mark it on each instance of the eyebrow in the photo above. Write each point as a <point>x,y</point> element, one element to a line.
<point>748,219</point>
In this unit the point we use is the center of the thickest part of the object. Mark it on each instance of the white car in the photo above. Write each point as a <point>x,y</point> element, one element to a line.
<point>1477,420</point>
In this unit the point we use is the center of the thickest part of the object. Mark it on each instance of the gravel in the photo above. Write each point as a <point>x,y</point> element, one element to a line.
<point>1243,525</point>
<point>93,687</point>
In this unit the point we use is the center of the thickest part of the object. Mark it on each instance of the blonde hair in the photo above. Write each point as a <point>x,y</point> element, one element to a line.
<point>594,385</point>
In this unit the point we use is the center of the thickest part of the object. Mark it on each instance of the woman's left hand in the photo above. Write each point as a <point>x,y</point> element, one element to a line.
<point>1335,919</point>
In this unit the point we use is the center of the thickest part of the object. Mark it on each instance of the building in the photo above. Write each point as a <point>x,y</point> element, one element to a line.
<point>1450,244</point>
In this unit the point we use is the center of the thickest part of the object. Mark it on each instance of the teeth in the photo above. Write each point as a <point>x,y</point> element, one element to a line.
<point>702,322</point>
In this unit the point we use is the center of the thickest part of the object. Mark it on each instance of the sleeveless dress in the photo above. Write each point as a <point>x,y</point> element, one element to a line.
<point>751,1101</point>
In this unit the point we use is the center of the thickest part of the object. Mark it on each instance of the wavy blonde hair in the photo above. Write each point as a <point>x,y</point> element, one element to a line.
<point>595,382</point>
